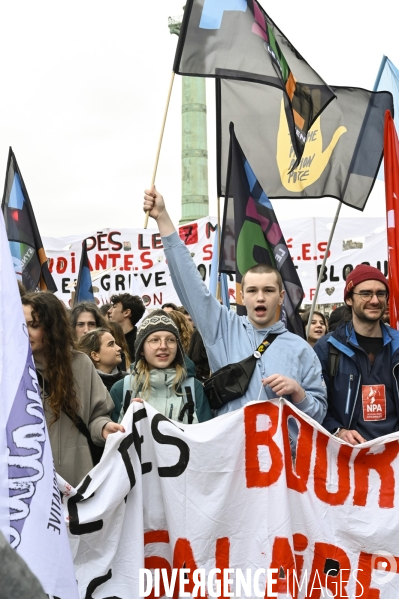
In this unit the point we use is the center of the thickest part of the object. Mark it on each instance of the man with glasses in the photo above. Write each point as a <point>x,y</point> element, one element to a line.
<point>359,361</point>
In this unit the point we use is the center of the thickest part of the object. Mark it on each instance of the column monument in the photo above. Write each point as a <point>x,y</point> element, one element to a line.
<point>195,199</point>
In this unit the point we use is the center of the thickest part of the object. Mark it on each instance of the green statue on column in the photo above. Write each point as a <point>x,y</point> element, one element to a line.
<point>195,199</point>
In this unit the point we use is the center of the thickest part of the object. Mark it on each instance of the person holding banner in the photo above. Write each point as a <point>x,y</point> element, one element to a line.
<point>161,375</point>
<point>359,361</point>
<point>76,404</point>
<point>288,368</point>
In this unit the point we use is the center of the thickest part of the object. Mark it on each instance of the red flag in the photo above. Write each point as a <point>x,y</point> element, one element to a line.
<point>391,168</point>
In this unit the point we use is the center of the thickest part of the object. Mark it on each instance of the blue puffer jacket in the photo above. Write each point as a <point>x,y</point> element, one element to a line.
<point>345,409</point>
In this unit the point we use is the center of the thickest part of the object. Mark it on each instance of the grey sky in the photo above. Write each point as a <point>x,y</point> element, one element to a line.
<point>84,89</point>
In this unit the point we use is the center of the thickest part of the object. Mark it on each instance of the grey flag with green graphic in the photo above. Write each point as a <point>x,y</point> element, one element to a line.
<point>237,39</point>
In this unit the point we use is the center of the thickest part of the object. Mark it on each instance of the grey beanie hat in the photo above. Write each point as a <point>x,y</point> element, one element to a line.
<point>158,320</point>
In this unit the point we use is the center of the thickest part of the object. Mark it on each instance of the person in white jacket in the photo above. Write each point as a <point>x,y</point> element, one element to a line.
<point>288,368</point>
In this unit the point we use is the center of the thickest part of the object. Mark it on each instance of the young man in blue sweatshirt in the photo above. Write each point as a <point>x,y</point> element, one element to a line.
<point>288,368</point>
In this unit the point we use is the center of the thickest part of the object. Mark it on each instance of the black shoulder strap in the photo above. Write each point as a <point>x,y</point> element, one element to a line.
<point>266,343</point>
<point>126,401</point>
<point>95,451</point>
<point>270,338</point>
<point>333,362</point>
<point>188,407</point>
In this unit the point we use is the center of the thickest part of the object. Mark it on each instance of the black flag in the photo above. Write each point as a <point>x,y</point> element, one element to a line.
<point>29,257</point>
<point>252,235</point>
<point>343,150</point>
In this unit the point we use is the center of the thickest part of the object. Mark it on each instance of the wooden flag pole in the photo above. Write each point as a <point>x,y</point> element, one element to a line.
<point>160,142</point>
<point>322,268</point>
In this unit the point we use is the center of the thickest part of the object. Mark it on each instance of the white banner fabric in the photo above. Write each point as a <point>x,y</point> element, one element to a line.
<point>355,241</point>
<point>128,260</point>
<point>225,494</point>
<point>133,260</point>
<point>30,505</point>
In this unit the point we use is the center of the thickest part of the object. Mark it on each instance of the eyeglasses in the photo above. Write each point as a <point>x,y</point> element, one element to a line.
<point>156,342</point>
<point>368,295</point>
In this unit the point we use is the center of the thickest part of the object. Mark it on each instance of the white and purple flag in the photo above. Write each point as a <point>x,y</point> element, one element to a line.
<point>30,505</point>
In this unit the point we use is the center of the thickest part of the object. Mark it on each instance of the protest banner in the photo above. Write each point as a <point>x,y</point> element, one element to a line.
<point>226,495</point>
<point>115,255</point>
<point>30,505</point>
<point>355,241</point>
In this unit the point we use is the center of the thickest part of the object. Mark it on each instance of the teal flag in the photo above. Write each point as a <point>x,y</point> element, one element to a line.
<point>388,80</point>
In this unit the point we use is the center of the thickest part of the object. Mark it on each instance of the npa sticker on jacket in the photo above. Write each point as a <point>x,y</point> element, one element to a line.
<point>374,402</point>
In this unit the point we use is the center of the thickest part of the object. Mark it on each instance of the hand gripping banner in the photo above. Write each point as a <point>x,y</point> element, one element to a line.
<point>225,504</point>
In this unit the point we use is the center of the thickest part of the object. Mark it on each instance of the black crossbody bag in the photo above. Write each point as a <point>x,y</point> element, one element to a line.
<point>232,381</point>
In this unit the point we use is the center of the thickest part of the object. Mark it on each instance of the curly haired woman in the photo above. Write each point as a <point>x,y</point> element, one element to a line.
<point>70,387</point>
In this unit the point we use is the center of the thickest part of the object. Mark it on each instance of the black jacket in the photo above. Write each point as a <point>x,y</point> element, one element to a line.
<point>130,340</point>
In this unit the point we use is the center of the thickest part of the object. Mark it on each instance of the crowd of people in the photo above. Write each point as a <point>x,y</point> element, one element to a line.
<point>93,361</point>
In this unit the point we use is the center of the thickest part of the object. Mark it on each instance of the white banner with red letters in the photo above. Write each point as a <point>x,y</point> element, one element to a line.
<point>355,241</point>
<point>219,509</point>
<point>133,260</point>
<point>128,260</point>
